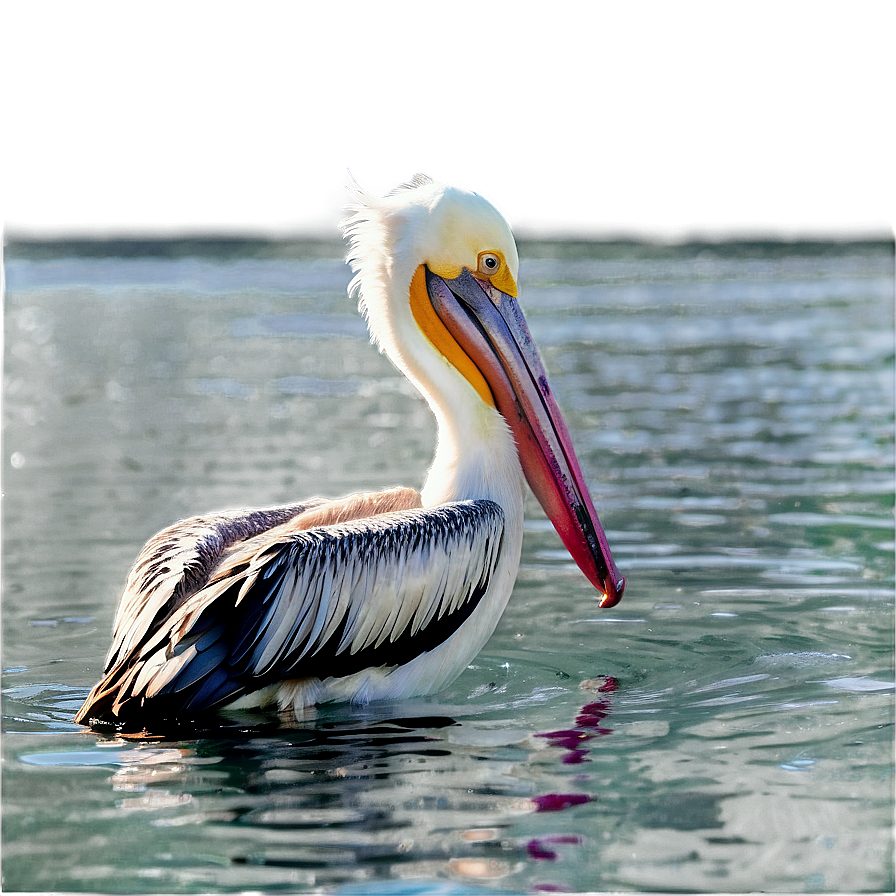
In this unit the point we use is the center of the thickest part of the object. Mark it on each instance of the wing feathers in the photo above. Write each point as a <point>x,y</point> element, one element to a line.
<point>290,603</point>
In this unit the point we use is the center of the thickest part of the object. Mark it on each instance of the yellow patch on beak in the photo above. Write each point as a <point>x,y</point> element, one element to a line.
<point>492,266</point>
<point>437,333</point>
<point>504,281</point>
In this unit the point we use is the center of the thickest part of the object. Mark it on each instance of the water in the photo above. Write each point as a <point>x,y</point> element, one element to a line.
<point>727,727</point>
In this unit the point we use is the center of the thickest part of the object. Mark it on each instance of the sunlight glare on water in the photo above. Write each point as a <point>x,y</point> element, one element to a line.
<point>727,727</point>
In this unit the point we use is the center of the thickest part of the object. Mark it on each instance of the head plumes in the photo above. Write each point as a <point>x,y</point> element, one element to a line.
<point>381,232</point>
<point>419,222</point>
<point>377,229</point>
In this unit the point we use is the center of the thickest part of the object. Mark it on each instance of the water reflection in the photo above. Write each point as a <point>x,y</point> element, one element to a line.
<point>354,795</point>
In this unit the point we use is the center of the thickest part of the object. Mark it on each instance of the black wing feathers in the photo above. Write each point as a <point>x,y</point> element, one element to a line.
<point>328,601</point>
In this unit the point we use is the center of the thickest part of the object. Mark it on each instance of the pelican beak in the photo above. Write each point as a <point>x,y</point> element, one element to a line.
<point>489,326</point>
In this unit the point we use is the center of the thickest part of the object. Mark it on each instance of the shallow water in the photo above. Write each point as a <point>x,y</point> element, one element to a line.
<point>727,727</point>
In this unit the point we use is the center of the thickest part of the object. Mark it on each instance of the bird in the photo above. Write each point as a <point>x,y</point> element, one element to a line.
<point>378,595</point>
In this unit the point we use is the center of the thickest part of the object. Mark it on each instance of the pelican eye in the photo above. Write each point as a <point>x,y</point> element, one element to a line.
<point>489,263</point>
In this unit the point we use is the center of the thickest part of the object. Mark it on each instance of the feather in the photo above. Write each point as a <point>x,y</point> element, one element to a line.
<point>317,603</point>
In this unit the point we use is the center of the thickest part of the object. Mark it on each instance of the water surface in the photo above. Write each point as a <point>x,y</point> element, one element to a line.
<point>727,727</point>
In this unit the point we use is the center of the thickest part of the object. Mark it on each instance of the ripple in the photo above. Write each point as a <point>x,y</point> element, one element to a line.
<point>623,282</point>
<point>100,756</point>
<point>801,660</point>
<point>703,561</point>
<point>66,620</point>
<point>830,519</point>
<point>225,386</point>
<point>314,386</point>
<point>418,887</point>
<point>42,708</point>
<point>202,276</point>
<point>301,325</point>
<point>859,685</point>
<point>817,592</point>
<point>730,683</point>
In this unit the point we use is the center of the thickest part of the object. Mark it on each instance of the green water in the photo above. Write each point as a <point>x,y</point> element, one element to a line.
<point>727,727</point>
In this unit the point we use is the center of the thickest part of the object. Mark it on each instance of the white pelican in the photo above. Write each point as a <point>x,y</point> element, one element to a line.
<point>386,594</point>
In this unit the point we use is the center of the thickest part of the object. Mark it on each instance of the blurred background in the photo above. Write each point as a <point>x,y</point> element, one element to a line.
<point>646,119</point>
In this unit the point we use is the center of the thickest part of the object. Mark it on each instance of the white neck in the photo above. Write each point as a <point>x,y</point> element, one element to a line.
<point>476,456</point>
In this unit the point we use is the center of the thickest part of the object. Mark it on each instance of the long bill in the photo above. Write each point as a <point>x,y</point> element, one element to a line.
<point>489,326</point>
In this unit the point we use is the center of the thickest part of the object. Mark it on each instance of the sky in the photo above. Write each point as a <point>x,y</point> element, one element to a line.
<point>656,119</point>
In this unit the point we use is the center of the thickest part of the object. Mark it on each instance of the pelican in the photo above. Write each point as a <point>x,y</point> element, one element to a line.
<point>380,595</point>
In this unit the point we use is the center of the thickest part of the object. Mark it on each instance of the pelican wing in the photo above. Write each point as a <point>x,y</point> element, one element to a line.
<point>178,561</point>
<point>323,602</point>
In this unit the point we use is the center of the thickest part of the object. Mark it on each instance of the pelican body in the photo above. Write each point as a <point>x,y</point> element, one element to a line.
<point>384,594</point>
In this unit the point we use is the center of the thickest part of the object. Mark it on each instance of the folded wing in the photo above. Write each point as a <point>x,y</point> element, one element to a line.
<point>326,601</point>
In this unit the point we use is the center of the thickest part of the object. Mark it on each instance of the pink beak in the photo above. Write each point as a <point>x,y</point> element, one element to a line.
<point>489,325</point>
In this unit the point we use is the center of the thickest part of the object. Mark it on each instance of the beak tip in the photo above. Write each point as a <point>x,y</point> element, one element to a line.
<point>613,594</point>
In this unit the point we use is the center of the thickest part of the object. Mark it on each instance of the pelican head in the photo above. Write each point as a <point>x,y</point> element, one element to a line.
<point>436,271</point>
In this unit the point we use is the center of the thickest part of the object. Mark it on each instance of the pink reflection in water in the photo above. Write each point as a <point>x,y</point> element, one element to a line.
<point>576,741</point>
<point>550,888</point>
<point>554,802</point>
<point>540,847</point>
<point>587,725</point>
